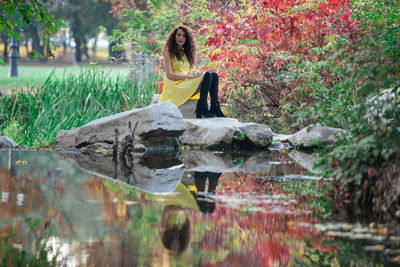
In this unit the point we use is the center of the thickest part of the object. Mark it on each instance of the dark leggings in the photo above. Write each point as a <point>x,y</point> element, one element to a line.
<point>209,84</point>
<point>200,179</point>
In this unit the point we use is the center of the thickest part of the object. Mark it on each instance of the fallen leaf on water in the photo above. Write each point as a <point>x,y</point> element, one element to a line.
<point>397,259</point>
<point>397,213</point>
<point>382,231</point>
<point>101,150</point>
<point>347,227</point>
<point>290,225</point>
<point>379,247</point>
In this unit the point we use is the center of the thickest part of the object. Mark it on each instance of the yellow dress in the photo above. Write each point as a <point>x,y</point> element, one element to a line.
<point>183,198</point>
<point>180,91</point>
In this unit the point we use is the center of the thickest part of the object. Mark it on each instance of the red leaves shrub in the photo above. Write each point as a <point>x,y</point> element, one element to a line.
<point>252,44</point>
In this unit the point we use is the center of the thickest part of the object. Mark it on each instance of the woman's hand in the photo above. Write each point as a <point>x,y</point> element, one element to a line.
<point>194,75</point>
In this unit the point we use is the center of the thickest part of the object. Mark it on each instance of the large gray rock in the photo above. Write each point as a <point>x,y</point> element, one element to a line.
<point>225,132</point>
<point>187,109</point>
<point>315,135</point>
<point>6,142</point>
<point>157,123</point>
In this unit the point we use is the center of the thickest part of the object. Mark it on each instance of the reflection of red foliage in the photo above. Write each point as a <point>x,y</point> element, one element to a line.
<point>266,236</point>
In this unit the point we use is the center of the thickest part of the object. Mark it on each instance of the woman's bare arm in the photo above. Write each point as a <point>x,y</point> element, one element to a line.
<point>175,76</point>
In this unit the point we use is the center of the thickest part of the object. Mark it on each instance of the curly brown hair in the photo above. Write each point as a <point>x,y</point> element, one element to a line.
<point>189,48</point>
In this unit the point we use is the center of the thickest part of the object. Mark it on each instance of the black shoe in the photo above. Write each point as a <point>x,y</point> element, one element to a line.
<point>202,111</point>
<point>204,114</point>
<point>216,109</point>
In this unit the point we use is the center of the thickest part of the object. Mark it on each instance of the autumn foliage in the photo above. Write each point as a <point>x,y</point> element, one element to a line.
<point>251,43</point>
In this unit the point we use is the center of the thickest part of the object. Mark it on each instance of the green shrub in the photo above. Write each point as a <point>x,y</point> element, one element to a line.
<point>359,68</point>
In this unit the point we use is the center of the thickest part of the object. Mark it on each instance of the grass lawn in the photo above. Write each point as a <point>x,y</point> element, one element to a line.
<point>33,75</point>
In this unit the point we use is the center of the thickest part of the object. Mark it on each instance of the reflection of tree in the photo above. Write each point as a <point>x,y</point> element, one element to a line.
<point>114,251</point>
<point>136,242</point>
<point>115,210</point>
<point>19,196</point>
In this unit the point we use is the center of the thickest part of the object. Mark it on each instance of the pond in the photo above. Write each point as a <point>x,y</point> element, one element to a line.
<point>190,209</point>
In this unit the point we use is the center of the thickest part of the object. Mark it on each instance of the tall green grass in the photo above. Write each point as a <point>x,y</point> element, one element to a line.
<point>36,75</point>
<point>33,118</point>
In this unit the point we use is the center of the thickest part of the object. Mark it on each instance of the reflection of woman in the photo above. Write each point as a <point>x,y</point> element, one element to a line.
<point>205,201</point>
<point>180,85</point>
<point>175,230</point>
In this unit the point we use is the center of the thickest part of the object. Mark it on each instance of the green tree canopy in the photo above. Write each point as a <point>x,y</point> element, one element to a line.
<point>16,15</point>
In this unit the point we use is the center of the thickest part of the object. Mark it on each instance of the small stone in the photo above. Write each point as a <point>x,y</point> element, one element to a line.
<point>6,142</point>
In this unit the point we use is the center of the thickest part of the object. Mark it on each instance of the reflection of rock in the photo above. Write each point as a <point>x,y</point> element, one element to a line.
<point>305,160</point>
<point>214,162</point>
<point>314,135</point>
<point>225,133</point>
<point>152,179</point>
<point>157,123</point>
<point>6,142</point>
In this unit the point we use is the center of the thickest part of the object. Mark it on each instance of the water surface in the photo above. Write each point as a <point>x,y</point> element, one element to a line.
<point>255,210</point>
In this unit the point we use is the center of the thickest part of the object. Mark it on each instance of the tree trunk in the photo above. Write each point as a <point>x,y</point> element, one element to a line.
<point>71,49</point>
<point>78,51</point>
<point>85,49</point>
<point>46,48</point>
<point>32,33</point>
<point>95,46</point>
<point>5,51</point>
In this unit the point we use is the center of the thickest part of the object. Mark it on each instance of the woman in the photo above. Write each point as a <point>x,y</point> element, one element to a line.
<point>180,85</point>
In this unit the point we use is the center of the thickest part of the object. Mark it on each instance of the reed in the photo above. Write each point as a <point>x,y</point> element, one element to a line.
<point>34,117</point>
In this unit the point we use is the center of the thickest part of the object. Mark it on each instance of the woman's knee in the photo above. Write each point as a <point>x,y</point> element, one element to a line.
<point>207,75</point>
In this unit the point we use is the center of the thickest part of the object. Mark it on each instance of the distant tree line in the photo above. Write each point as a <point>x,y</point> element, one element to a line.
<point>84,18</point>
